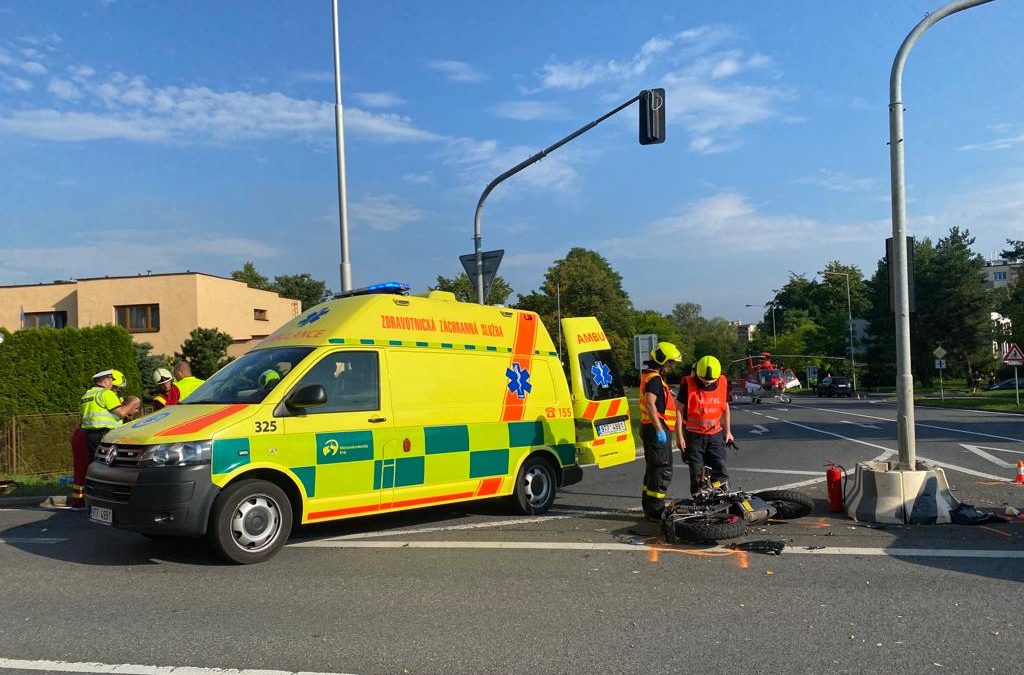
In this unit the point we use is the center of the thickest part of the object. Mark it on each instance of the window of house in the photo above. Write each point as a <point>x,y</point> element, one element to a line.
<point>999,276</point>
<point>260,315</point>
<point>41,319</point>
<point>138,318</point>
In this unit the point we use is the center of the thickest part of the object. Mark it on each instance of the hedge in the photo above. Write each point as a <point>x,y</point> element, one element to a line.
<point>46,370</point>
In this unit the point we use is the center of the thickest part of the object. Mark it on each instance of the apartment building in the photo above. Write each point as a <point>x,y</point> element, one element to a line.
<point>161,309</point>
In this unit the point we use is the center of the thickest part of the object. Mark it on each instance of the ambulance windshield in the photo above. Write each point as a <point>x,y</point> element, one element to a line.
<point>249,378</point>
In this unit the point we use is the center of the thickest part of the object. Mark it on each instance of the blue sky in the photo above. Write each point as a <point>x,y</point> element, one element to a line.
<point>166,136</point>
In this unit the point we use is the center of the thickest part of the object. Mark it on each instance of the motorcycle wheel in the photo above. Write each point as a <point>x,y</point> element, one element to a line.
<point>710,528</point>
<point>785,398</point>
<point>788,504</point>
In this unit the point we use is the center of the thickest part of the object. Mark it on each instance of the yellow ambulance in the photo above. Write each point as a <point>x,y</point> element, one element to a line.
<point>376,401</point>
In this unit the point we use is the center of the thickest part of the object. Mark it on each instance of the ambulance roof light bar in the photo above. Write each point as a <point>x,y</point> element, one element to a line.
<point>388,287</point>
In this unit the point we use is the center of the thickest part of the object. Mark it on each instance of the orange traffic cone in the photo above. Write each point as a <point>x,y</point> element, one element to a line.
<point>1019,480</point>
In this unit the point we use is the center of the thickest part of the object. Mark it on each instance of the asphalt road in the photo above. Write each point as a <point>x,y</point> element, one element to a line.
<point>587,588</point>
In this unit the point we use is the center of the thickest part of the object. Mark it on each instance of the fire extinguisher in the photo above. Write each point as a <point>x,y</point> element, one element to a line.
<point>834,476</point>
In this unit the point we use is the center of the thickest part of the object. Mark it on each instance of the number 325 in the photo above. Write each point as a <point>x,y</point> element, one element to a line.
<point>264,427</point>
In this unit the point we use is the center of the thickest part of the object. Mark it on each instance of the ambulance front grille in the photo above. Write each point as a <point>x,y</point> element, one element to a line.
<point>124,455</point>
<point>101,489</point>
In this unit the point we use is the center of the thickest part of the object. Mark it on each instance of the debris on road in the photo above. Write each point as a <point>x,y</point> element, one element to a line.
<point>766,546</point>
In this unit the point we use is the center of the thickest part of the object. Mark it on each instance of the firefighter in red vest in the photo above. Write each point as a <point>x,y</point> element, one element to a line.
<point>704,426</point>
<point>657,420</point>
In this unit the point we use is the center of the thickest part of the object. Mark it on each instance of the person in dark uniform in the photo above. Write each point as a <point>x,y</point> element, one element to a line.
<point>704,425</point>
<point>657,420</point>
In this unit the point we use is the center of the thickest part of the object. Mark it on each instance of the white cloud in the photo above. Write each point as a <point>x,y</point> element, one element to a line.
<point>530,110</point>
<point>127,107</point>
<point>458,71</point>
<point>840,182</point>
<point>700,71</point>
<point>419,178</point>
<point>137,251</point>
<point>1004,143</point>
<point>32,67</point>
<point>14,84</point>
<point>379,99</point>
<point>480,161</point>
<point>64,89</point>
<point>384,212</point>
<point>81,72</point>
<point>728,221</point>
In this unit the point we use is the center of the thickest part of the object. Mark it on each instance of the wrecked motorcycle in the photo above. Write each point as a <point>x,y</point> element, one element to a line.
<point>715,513</point>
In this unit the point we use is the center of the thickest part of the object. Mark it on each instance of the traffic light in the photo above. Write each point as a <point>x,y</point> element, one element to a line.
<point>652,116</point>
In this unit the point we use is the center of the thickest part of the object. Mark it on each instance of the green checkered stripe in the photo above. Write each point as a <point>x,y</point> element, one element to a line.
<point>339,463</point>
<point>370,342</point>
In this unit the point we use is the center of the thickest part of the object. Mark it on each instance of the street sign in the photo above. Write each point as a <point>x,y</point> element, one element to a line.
<point>491,260</point>
<point>939,352</point>
<point>940,364</point>
<point>812,374</point>
<point>1014,356</point>
<point>643,345</point>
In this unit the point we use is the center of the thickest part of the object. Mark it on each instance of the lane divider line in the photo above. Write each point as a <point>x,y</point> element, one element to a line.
<point>135,669</point>
<point>916,423</point>
<point>615,546</point>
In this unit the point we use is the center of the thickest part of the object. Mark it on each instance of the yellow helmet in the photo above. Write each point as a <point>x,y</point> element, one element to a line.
<point>708,368</point>
<point>665,352</point>
<point>267,377</point>
<point>117,378</point>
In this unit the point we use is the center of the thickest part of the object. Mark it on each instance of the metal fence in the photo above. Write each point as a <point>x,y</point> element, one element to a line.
<point>37,444</point>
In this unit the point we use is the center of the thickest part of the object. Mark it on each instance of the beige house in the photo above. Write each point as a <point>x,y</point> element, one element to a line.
<point>161,309</point>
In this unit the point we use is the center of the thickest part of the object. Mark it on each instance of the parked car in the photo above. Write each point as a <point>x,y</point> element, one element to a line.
<point>835,386</point>
<point>1009,384</point>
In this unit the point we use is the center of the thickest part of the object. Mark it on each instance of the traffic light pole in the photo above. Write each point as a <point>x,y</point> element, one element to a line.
<point>513,171</point>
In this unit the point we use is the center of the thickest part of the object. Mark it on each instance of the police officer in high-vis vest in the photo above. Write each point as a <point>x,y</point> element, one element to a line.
<point>657,422</point>
<point>704,426</point>
<point>102,410</point>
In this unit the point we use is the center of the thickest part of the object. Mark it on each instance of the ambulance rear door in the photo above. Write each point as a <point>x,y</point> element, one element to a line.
<point>604,435</point>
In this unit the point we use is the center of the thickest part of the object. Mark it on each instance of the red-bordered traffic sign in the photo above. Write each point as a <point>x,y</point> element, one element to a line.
<point>1014,356</point>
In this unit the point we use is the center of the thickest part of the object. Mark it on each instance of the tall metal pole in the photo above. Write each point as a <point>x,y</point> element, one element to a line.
<point>906,438</point>
<point>339,133</point>
<point>775,339</point>
<point>849,315</point>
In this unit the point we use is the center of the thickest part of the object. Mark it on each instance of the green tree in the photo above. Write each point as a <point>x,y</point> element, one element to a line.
<point>465,289</point>
<point>700,336</point>
<point>588,286</point>
<point>251,276</point>
<point>206,350</point>
<point>301,287</point>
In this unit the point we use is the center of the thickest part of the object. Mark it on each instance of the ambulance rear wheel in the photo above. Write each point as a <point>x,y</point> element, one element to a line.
<point>250,521</point>
<point>535,486</point>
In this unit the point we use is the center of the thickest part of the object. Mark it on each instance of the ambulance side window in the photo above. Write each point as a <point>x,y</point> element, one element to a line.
<point>601,380</point>
<point>351,380</point>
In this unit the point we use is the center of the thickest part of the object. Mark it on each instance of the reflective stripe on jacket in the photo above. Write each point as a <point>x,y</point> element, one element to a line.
<point>704,408</point>
<point>97,404</point>
<point>668,416</point>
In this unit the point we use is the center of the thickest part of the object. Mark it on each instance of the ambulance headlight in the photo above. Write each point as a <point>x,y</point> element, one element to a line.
<point>177,454</point>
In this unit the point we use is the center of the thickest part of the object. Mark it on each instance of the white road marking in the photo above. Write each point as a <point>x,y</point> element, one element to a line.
<point>962,469</point>
<point>984,455</point>
<point>31,540</point>
<point>782,409</point>
<point>793,472</point>
<point>918,424</point>
<point>616,546</point>
<point>758,429</point>
<point>568,513</point>
<point>133,669</point>
<point>862,426</point>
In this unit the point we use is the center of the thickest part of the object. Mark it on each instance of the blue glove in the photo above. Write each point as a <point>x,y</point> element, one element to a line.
<point>662,438</point>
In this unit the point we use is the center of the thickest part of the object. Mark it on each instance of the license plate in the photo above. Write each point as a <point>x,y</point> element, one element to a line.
<point>101,515</point>
<point>612,428</point>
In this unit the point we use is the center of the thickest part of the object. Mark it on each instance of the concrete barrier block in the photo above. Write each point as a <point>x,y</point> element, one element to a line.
<point>883,494</point>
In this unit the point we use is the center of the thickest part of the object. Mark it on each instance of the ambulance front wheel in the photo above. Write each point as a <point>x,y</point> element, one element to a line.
<point>251,520</point>
<point>535,486</point>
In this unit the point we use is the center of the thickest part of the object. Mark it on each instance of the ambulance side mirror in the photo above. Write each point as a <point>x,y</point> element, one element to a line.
<point>307,397</point>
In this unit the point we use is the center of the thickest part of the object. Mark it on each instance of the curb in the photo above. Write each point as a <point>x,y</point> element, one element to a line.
<point>33,501</point>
